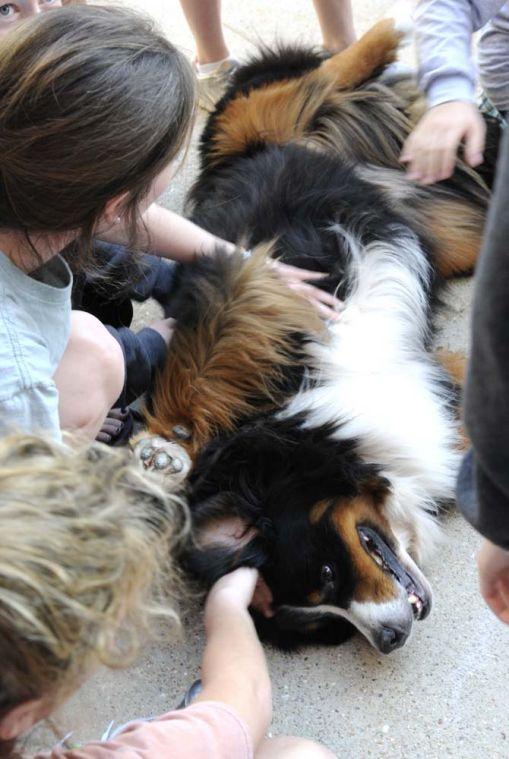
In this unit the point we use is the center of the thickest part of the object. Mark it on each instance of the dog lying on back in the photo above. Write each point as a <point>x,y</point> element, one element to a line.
<point>319,454</point>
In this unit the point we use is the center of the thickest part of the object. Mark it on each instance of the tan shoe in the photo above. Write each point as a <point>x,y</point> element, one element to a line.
<point>213,85</point>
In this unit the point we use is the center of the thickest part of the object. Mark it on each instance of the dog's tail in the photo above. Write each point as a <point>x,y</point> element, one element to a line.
<point>286,109</point>
<point>236,335</point>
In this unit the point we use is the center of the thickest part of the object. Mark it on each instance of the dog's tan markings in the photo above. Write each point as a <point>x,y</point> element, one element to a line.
<point>373,584</point>
<point>275,114</point>
<point>318,511</point>
<point>455,364</point>
<point>363,59</point>
<point>315,597</point>
<point>457,228</point>
<point>228,366</point>
<point>283,111</point>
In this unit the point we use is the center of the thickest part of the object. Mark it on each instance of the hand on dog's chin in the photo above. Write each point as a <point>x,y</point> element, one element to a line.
<point>262,599</point>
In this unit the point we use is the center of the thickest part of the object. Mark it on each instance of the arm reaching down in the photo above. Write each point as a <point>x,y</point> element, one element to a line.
<point>234,670</point>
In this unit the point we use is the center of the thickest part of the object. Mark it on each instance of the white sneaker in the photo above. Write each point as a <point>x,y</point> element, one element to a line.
<point>213,84</point>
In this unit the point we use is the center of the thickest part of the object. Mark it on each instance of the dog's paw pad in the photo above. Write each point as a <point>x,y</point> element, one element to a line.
<point>162,456</point>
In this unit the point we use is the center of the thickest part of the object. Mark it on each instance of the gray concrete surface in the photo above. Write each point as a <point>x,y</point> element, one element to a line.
<point>447,692</point>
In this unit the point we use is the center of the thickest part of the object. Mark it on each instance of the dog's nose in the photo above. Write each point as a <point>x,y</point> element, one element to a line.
<point>390,638</point>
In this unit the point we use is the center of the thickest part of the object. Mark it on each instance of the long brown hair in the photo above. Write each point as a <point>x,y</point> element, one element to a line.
<point>94,103</point>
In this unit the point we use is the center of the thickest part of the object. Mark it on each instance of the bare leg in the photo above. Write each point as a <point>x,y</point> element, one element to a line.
<point>286,747</point>
<point>89,377</point>
<point>204,19</point>
<point>336,23</point>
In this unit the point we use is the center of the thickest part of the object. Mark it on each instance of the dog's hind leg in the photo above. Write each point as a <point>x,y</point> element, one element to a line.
<point>451,226</point>
<point>457,228</point>
<point>363,59</point>
<point>284,110</point>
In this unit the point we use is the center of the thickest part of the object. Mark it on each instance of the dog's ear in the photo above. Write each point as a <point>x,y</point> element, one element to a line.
<point>227,543</point>
<point>223,541</point>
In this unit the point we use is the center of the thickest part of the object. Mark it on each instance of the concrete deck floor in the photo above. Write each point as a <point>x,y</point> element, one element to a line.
<point>447,692</point>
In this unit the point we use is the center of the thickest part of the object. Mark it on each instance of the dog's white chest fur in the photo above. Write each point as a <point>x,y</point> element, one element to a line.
<point>382,388</point>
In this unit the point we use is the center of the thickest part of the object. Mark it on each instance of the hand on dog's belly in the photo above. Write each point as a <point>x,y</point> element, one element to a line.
<point>231,532</point>
<point>162,456</point>
<point>300,281</point>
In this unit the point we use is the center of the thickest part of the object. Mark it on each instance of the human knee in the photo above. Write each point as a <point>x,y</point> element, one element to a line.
<point>99,355</point>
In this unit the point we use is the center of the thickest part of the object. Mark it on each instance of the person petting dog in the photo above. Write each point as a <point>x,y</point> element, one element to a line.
<point>447,76</point>
<point>86,565</point>
<point>95,162</point>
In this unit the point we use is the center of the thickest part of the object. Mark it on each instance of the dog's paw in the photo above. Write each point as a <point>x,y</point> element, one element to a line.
<point>164,457</point>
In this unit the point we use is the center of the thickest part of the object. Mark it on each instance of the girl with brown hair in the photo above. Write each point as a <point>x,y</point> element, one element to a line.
<point>91,131</point>
<point>106,291</point>
<point>87,136</point>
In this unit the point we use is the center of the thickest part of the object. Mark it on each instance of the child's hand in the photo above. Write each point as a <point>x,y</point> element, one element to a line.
<point>431,150</point>
<point>493,565</point>
<point>235,589</point>
<point>328,306</point>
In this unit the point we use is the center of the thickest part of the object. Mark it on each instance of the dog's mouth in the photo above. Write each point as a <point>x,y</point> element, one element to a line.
<point>383,555</point>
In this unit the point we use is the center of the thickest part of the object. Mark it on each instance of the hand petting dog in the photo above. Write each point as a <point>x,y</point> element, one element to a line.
<point>430,152</point>
<point>298,280</point>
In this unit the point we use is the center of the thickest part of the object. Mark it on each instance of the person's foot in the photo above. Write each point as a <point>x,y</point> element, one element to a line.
<point>213,81</point>
<point>116,428</point>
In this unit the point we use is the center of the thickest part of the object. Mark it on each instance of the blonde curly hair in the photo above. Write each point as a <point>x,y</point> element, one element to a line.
<point>86,550</point>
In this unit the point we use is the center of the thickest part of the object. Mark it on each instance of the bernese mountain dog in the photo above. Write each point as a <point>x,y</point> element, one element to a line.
<point>319,453</point>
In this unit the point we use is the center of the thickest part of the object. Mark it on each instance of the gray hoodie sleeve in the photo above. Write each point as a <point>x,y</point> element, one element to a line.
<point>444,31</point>
<point>483,486</point>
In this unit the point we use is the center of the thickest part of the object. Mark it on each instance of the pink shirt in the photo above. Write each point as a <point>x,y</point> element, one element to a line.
<point>207,729</point>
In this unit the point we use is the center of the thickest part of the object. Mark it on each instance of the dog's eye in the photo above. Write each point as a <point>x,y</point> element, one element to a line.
<point>327,574</point>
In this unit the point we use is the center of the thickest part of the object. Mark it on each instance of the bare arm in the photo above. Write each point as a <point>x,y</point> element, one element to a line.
<point>234,670</point>
<point>169,235</point>
<point>172,236</point>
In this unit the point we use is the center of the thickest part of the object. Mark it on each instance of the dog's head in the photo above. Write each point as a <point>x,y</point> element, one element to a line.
<point>312,517</point>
